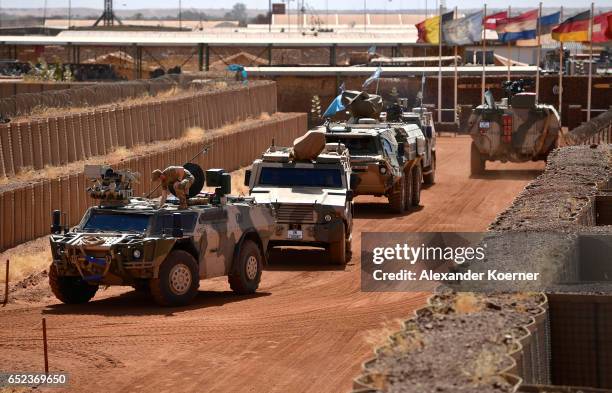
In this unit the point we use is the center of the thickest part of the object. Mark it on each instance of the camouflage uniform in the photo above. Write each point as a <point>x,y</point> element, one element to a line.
<point>181,180</point>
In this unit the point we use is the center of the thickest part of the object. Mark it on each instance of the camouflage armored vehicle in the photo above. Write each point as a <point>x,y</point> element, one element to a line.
<point>515,129</point>
<point>164,250</point>
<point>311,197</point>
<point>387,158</point>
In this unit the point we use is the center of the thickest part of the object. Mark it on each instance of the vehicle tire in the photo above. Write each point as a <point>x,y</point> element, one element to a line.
<point>408,185</point>
<point>430,178</point>
<point>142,286</point>
<point>397,198</point>
<point>417,178</point>
<point>178,280</point>
<point>246,270</point>
<point>349,248</point>
<point>337,250</point>
<point>69,289</point>
<point>477,163</point>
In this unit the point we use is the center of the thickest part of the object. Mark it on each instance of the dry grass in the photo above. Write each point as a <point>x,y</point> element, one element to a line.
<point>191,135</point>
<point>486,365</point>
<point>467,303</point>
<point>25,259</point>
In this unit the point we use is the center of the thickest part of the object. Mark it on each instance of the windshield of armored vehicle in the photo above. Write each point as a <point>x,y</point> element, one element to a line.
<point>117,222</point>
<point>357,146</point>
<point>300,177</point>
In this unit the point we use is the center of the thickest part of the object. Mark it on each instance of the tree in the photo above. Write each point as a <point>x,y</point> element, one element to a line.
<point>138,16</point>
<point>238,13</point>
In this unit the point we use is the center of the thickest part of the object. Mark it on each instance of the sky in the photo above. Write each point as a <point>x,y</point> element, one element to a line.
<point>317,4</point>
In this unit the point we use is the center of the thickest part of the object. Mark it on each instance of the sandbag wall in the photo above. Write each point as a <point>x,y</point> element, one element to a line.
<point>25,210</point>
<point>58,140</point>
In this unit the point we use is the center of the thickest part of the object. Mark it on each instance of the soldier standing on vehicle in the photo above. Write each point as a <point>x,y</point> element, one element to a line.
<point>180,179</point>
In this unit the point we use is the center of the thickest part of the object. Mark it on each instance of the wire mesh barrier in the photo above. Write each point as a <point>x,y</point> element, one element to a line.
<point>25,210</point>
<point>596,131</point>
<point>61,139</point>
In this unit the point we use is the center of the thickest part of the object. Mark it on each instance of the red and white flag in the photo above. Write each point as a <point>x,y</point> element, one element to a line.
<point>490,22</point>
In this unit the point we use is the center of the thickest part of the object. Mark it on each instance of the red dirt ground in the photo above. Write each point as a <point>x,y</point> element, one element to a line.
<point>307,329</point>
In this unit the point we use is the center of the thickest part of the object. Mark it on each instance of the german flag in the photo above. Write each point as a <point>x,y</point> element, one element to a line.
<point>429,29</point>
<point>576,28</point>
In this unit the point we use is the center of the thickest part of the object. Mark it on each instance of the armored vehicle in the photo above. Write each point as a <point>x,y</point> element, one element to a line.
<point>387,158</point>
<point>311,197</point>
<point>161,249</point>
<point>515,129</point>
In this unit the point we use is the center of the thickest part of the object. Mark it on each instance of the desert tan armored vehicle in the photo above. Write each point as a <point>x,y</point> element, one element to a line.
<point>515,129</point>
<point>387,158</point>
<point>310,192</point>
<point>164,250</point>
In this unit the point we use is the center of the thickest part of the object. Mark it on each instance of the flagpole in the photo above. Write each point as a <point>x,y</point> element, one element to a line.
<point>561,71</point>
<point>590,62</point>
<point>509,47</point>
<point>455,82</point>
<point>539,50</point>
<point>440,66</point>
<point>484,49</point>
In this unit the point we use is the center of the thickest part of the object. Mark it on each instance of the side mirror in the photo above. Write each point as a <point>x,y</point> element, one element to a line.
<point>428,132</point>
<point>247,177</point>
<point>350,194</point>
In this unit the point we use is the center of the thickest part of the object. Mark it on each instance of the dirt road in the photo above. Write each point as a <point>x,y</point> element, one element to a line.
<point>307,330</point>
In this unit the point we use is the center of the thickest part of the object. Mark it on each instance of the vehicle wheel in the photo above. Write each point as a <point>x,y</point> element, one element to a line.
<point>430,178</point>
<point>246,271</point>
<point>397,198</point>
<point>178,280</point>
<point>477,163</point>
<point>337,250</point>
<point>349,248</point>
<point>408,193</point>
<point>142,286</point>
<point>69,289</point>
<point>417,176</point>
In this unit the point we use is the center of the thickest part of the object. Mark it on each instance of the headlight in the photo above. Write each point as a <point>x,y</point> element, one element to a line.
<point>383,170</point>
<point>136,254</point>
<point>328,217</point>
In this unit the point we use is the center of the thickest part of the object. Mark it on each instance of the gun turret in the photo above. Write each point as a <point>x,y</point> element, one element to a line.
<point>515,87</point>
<point>362,104</point>
<point>111,187</point>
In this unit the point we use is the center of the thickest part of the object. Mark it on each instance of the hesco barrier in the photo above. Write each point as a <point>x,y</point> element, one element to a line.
<point>58,140</point>
<point>20,98</point>
<point>596,131</point>
<point>25,211</point>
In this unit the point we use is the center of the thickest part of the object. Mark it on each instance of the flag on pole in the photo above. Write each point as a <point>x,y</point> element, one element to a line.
<point>429,29</point>
<point>341,88</point>
<point>524,26</point>
<point>372,78</point>
<point>576,28</point>
<point>335,106</point>
<point>372,50</point>
<point>491,22</point>
<point>463,31</point>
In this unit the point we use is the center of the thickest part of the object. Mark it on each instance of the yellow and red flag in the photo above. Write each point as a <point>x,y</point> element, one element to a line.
<point>429,29</point>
